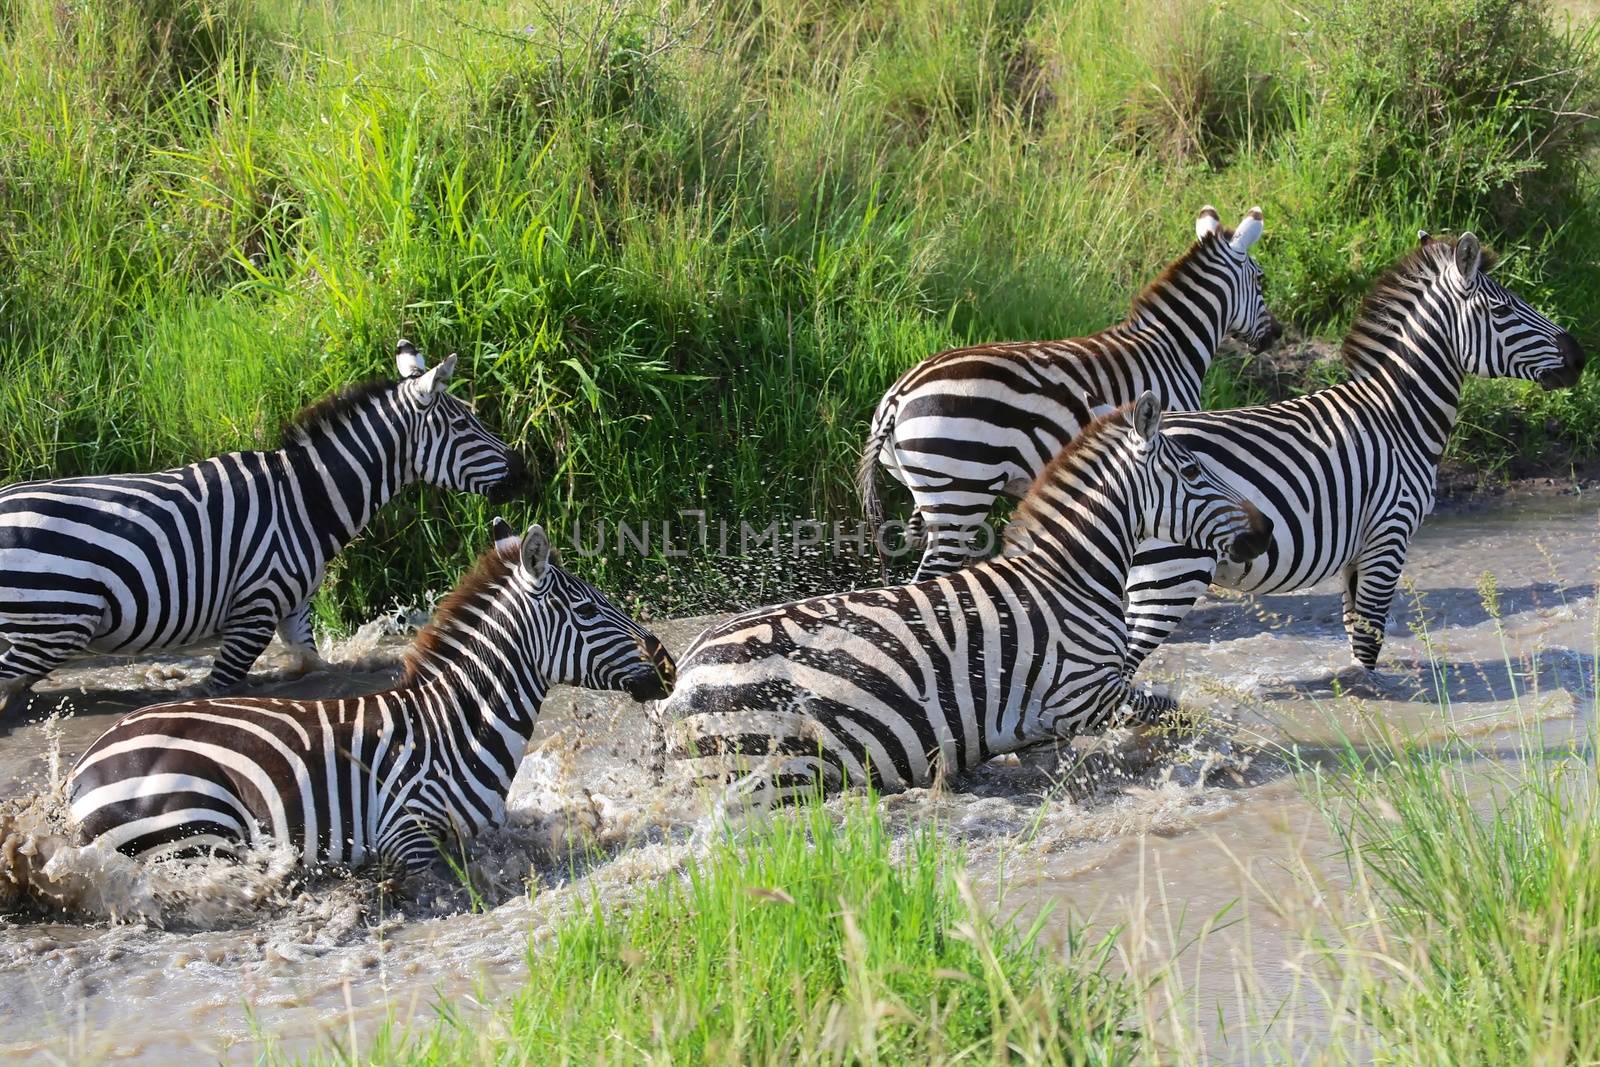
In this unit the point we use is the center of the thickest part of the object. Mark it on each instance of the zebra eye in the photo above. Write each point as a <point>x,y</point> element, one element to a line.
<point>1190,472</point>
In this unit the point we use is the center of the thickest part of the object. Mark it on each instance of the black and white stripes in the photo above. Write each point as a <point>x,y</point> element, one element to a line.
<point>889,685</point>
<point>233,545</point>
<point>392,777</point>
<point>1347,474</point>
<point>969,425</point>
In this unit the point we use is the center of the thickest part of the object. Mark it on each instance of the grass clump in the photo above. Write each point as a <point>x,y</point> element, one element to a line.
<point>1485,886</point>
<point>806,941</point>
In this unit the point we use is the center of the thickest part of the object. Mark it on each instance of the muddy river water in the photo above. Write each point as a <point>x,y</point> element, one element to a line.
<point>1201,852</point>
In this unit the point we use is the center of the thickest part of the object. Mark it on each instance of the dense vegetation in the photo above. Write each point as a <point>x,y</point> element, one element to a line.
<point>682,248</point>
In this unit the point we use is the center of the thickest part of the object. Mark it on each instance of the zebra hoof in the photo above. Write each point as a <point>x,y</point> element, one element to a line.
<point>210,689</point>
<point>1359,681</point>
<point>14,694</point>
<point>304,662</point>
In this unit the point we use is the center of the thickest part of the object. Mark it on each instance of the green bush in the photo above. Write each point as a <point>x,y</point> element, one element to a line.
<point>683,250</point>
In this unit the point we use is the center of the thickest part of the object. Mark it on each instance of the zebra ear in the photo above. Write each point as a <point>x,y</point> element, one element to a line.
<point>434,382</point>
<point>536,551</point>
<point>1249,231</point>
<point>1145,418</point>
<point>1469,256</point>
<point>1423,237</point>
<point>505,538</point>
<point>407,360</point>
<point>1206,223</point>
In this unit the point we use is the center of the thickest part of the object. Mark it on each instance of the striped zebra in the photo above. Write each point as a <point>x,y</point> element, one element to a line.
<point>389,778</point>
<point>1347,474</point>
<point>233,545</point>
<point>890,685</point>
<point>969,425</point>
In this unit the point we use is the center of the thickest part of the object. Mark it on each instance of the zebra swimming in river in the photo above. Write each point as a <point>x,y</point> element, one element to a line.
<point>889,685</point>
<point>234,545</point>
<point>969,425</point>
<point>1348,473</point>
<point>388,778</point>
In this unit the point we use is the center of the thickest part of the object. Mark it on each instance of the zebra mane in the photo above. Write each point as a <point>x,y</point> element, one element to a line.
<point>333,407</point>
<point>491,569</point>
<point>1395,289</point>
<point>1178,267</point>
<point>1027,511</point>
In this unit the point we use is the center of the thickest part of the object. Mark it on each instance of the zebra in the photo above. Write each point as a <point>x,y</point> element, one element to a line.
<point>971,424</point>
<point>1348,473</point>
<point>234,545</point>
<point>887,686</point>
<point>385,779</point>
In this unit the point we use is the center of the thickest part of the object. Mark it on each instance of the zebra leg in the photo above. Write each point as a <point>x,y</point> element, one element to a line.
<point>780,783</point>
<point>1115,703</point>
<point>1163,586</point>
<point>1369,587</point>
<point>37,649</point>
<point>295,632</point>
<point>243,641</point>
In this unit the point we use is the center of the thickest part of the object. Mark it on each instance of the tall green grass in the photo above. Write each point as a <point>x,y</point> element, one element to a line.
<point>807,941</point>
<point>1483,947</point>
<point>683,248</point>
<point>1477,856</point>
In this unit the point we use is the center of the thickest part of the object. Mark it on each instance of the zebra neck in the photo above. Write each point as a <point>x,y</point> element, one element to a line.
<point>1417,377</point>
<point>347,471</point>
<point>1190,331</point>
<point>491,698</point>
<point>1086,537</point>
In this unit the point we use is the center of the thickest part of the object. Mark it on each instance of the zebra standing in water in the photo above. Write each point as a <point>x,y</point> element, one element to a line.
<point>889,685</point>
<point>969,425</point>
<point>233,545</point>
<point>1347,474</point>
<point>386,778</point>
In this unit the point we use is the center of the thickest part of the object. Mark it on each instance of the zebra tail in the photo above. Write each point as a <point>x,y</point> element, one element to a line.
<point>867,484</point>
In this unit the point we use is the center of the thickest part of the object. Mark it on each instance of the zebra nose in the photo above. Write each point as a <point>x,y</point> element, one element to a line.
<point>511,483</point>
<point>1254,541</point>
<point>1572,361</point>
<point>655,679</point>
<point>1271,331</point>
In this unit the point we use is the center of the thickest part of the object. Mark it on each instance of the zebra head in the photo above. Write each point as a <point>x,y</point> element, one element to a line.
<point>571,633</point>
<point>1227,255</point>
<point>1184,502</point>
<point>1499,335</point>
<point>450,447</point>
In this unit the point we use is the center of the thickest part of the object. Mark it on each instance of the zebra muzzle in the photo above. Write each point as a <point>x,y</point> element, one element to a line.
<point>1572,361</point>
<point>654,679</point>
<point>1250,544</point>
<point>510,486</point>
